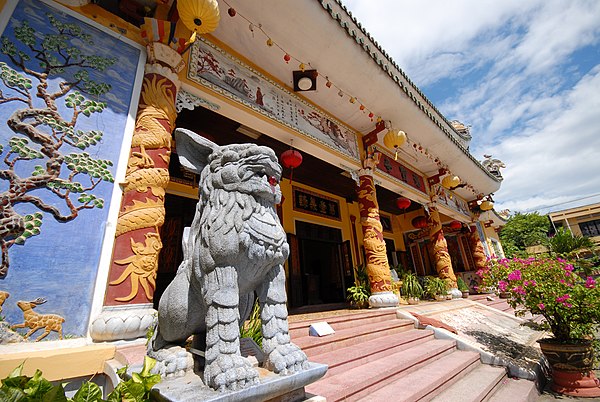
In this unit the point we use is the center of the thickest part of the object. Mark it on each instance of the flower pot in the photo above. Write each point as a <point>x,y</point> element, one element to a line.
<point>504,295</point>
<point>465,295</point>
<point>439,297</point>
<point>572,367</point>
<point>413,300</point>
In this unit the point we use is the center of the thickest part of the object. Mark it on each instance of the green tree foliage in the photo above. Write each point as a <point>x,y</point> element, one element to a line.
<point>46,141</point>
<point>522,231</point>
<point>564,242</point>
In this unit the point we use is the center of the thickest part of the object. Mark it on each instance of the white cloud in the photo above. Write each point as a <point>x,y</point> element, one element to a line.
<point>516,82</point>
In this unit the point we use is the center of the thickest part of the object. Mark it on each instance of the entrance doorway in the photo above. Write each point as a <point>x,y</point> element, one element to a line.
<point>322,270</point>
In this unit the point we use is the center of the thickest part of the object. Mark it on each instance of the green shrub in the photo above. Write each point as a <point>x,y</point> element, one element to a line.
<point>21,388</point>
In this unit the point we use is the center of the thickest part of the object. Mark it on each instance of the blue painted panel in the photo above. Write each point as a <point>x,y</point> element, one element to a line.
<point>60,263</point>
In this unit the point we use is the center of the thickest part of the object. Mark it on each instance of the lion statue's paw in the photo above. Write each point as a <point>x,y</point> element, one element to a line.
<point>173,361</point>
<point>287,359</point>
<point>230,373</point>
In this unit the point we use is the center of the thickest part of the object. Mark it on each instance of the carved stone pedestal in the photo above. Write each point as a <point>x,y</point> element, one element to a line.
<point>271,387</point>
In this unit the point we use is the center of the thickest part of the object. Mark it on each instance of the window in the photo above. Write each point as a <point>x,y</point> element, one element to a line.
<point>590,228</point>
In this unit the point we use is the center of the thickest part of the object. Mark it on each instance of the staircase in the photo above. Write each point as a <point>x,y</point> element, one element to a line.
<point>374,356</point>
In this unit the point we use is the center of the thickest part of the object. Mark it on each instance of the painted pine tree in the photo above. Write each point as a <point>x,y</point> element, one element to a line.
<point>49,73</point>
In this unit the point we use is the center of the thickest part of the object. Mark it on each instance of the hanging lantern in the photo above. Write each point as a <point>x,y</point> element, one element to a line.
<point>486,205</point>
<point>291,159</point>
<point>199,16</point>
<point>394,140</point>
<point>287,58</point>
<point>403,202</point>
<point>419,222</point>
<point>455,225</point>
<point>450,181</point>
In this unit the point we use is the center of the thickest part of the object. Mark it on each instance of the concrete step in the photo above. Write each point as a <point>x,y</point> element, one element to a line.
<point>342,359</point>
<point>364,379</point>
<point>300,328</point>
<point>314,345</point>
<point>516,390</point>
<point>425,382</point>
<point>476,386</point>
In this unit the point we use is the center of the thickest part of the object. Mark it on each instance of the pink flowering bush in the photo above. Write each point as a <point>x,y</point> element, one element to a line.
<point>569,302</point>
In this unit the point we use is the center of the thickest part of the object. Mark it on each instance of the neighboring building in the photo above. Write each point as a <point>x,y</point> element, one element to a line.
<point>584,221</point>
<point>95,201</point>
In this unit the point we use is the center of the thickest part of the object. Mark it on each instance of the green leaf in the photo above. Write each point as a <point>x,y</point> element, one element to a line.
<point>89,392</point>
<point>56,394</point>
<point>12,394</point>
<point>133,392</point>
<point>149,364</point>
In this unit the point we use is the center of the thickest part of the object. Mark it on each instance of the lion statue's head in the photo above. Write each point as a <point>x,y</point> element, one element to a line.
<point>245,168</point>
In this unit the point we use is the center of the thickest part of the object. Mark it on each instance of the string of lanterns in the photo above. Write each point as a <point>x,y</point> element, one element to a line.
<point>288,57</point>
<point>204,19</point>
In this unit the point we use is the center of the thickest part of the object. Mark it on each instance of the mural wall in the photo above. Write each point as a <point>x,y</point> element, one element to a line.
<point>213,68</point>
<point>66,90</point>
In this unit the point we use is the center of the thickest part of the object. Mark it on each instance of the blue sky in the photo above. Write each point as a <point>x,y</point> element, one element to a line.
<point>524,74</point>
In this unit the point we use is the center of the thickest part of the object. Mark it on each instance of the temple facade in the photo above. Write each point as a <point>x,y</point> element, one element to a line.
<point>95,201</point>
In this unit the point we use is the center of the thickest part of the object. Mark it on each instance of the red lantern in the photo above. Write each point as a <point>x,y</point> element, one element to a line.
<point>403,202</point>
<point>419,222</point>
<point>291,159</point>
<point>455,225</point>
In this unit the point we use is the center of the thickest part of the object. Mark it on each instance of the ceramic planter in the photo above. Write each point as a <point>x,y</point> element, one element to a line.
<point>572,367</point>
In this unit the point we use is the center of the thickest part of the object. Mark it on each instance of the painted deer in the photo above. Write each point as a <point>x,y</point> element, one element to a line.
<point>35,321</point>
<point>3,297</point>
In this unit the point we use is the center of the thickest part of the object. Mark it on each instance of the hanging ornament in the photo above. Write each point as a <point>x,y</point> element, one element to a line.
<point>371,116</point>
<point>231,12</point>
<point>394,140</point>
<point>403,203</point>
<point>362,107</point>
<point>199,16</point>
<point>269,42</point>
<point>486,205</point>
<point>287,58</point>
<point>450,181</point>
<point>301,67</point>
<point>352,99</point>
<point>379,119</point>
<point>419,222</point>
<point>341,94</point>
<point>455,225</point>
<point>291,159</point>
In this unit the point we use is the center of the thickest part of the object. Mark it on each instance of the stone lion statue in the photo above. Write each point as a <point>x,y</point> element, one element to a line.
<point>236,249</point>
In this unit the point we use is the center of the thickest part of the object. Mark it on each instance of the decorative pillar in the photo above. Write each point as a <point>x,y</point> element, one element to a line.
<point>443,263</point>
<point>477,250</point>
<point>378,268</point>
<point>127,312</point>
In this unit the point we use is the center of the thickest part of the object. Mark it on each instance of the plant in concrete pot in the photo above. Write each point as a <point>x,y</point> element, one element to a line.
<point>462,286</point>
<point>411,288</point>
<point>436,288</point>
<point>569,304</point>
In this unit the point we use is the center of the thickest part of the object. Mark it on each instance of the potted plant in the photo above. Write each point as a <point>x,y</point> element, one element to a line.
<point>436,288</point>
<point>411,288</point>
<point>462,286</point>
<point>358,296</point>
<point>569,304</point>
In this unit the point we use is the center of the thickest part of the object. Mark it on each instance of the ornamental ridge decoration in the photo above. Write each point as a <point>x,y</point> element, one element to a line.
<point>186,100</point>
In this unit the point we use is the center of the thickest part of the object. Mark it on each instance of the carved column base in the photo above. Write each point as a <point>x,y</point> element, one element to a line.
<point>122,323</point>
<point>383,299</point>
<point>456,294</point>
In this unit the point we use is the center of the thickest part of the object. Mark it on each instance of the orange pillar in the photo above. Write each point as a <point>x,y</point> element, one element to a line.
<point>477,250</point>
<point>127,310</point>
<point>378,268</point>
<point>443,263</point>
